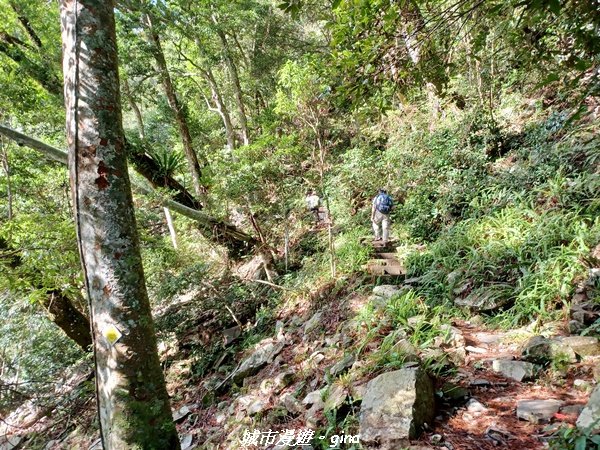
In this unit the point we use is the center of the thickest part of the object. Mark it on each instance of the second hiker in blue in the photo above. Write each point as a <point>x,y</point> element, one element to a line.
<point>380,215</point>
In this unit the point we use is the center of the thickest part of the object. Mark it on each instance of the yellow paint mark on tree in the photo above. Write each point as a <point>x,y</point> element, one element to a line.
<point>112,334</point>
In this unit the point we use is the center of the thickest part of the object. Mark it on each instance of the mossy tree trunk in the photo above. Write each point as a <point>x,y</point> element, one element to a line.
<point>132,398</point>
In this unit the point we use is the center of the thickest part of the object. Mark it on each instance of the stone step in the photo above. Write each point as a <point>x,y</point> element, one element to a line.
<point>387,255</point>
<point>385,267</point>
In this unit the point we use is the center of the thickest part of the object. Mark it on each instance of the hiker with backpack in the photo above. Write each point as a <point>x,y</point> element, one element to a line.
<point>312,203</point>
<point>380,214</point>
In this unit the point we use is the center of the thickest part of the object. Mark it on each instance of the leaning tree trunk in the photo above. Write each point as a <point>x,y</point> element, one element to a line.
<point>132,398</point>
<point>72,321</point>
<point>238,243</point>
<point>177,109</point>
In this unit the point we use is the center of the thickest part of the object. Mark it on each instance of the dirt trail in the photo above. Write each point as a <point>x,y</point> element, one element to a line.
<point>498,425</point>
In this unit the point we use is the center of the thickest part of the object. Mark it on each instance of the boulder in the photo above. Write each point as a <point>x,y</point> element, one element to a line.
<point>386,291</point>
<point>538,411</point>
<point>517,370</point>
<point>582,345</point>
<point>480,301</point>
<point>541,350</point>
<point>590,416</point>
<point>395,407</point>
<point>265,352</point>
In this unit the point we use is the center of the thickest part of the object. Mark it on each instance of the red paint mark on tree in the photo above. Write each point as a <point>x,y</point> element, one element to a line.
<point>103,141</point>
<point>118,255</point>
<point>88,152</point>
<point>102,180</point>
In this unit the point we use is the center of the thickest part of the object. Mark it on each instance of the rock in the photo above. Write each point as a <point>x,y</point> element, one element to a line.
<point>460,290</point>
<point>335,398</point>
<point>517,370</point>
<point>49,446</point>
<point>291,403</point>
<point>283,380</point>
<point>315,398</point>
<point>10,442</point>
<point>96,445</point>
<point>386,291</point>
<point>395,408</point>
<point>436,439</point>
<point>582,385</point>
<point>453,392</point>
<point>313,322</point>
<point>476,320</point>
<point>590,416</point>
<point>450,336</point>
<point>537,411</point>
<point>256,407</point>
<point>265,352</point>
<point>231,334</point>
<point>342,365</point>
<point>405,350</point>
<point>277,384</point>
<point>457,355</point>
<point>415,321</point>
<point>583,345</point>
<point>489,338</point>
<point>480,382</point>
<point>480,301</point>
<point>541,350</point>
<point>572,410</point>
<point>181,413</point>
<point>313,415</point>
<point>474,406</point>
<point>576,327</point>
<point>357,391</point>
<point>478,350</point>
<point>186,441</point>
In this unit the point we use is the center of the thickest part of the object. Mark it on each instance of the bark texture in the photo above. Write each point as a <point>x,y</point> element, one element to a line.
<point>132,398</point>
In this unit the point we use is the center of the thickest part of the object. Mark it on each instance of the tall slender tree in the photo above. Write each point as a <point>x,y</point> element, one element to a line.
<point>132,398</point>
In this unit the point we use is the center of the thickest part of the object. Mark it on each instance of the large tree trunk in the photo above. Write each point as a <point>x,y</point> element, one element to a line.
<point>132,398</point>
<point>235,79</point>
<point>177,109</point>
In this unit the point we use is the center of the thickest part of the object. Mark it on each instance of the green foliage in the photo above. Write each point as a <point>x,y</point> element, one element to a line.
<point>572,438</point>
<point>351,252</point>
